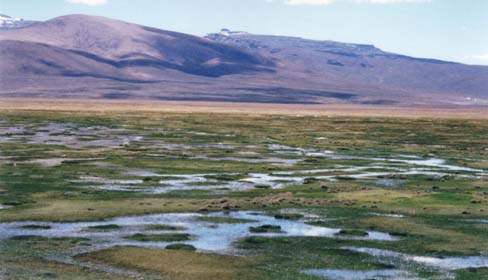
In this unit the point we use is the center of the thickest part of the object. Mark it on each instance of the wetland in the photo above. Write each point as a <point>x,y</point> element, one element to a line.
<point>158,195</point>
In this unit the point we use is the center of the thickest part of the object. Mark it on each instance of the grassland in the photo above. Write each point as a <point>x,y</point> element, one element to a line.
<point>60,166</point>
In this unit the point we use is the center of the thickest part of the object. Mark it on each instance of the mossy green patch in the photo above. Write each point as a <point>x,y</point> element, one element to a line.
<point>169,237</point>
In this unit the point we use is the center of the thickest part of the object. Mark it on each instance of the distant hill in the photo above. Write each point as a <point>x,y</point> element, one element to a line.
<point>79,56</point>
<point>358,68</point>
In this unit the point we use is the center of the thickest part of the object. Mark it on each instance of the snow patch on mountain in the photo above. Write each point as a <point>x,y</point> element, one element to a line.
<point>227,32</point>
<point>7,22</point>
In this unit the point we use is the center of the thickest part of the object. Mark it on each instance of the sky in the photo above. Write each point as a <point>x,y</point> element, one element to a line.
<point>454,30</point>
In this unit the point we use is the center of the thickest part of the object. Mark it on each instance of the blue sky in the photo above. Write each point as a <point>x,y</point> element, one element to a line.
<point>454,30</point>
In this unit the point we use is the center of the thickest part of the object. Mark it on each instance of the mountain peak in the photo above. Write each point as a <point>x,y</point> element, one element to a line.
<point>82,51</point>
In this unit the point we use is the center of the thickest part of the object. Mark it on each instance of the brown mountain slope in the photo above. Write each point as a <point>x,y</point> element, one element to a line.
<point>123,48</point>
<point>364,66</point>
<point>80,56</point>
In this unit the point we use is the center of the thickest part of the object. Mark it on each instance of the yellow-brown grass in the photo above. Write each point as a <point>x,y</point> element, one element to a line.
<point>178,265</point>
<point>100,106</point>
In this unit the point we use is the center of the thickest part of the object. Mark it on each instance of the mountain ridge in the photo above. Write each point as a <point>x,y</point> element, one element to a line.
<point>98,57</point>
<point>229,33</point>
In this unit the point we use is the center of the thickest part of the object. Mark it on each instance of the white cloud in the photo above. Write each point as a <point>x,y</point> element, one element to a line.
<point>483,56</point>
<point>89,2</point>
<point>309,2</point>
<point>475,59</point>
<point>392,1</point>
<point>327,2</point>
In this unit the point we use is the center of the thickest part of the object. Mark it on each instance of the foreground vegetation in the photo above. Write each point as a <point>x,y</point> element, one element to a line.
<point>80,167</point>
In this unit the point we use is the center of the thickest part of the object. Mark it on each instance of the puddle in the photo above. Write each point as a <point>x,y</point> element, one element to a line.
<point>438,163</point>
<point>67,134</point>
<point>188,182</point>
<point>12,130</point>
<point>248,153</point>
<point>185,182</point>
<point>52,162</point>
<point>206,235</point>
<point>390,183</point>
<point>177,146</point>
<point>433,163</point>
<point>482,221</point>
<point>287,150</point>
<point>209,134</point>
<point>48,162</point>
<point>448,263</point>
<point>76,136</point>
<point>89,179</point>
<point>253,160</point>
<point>388,215</point>
<point>341,274</point>
<point>73,135</point>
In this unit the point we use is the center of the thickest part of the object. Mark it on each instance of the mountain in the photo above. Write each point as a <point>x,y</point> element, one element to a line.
<point>94,46</point>
<point>7,22</point>
<point>358,66</point>
<point>79,56</point>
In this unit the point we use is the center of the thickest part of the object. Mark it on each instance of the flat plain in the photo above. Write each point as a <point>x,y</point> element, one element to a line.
<point>207,191</point>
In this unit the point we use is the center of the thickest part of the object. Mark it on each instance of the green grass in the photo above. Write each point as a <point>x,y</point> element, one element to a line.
<point>434,208</point>
<point>288,216</point>
<point>265,229</point>
<point>223,220</point>
<point>104,228</point>
<point>35,227</point>
<point>352,232</point>
<point>181,246</point>
<point>169,237</point>
<point>163,227</point>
